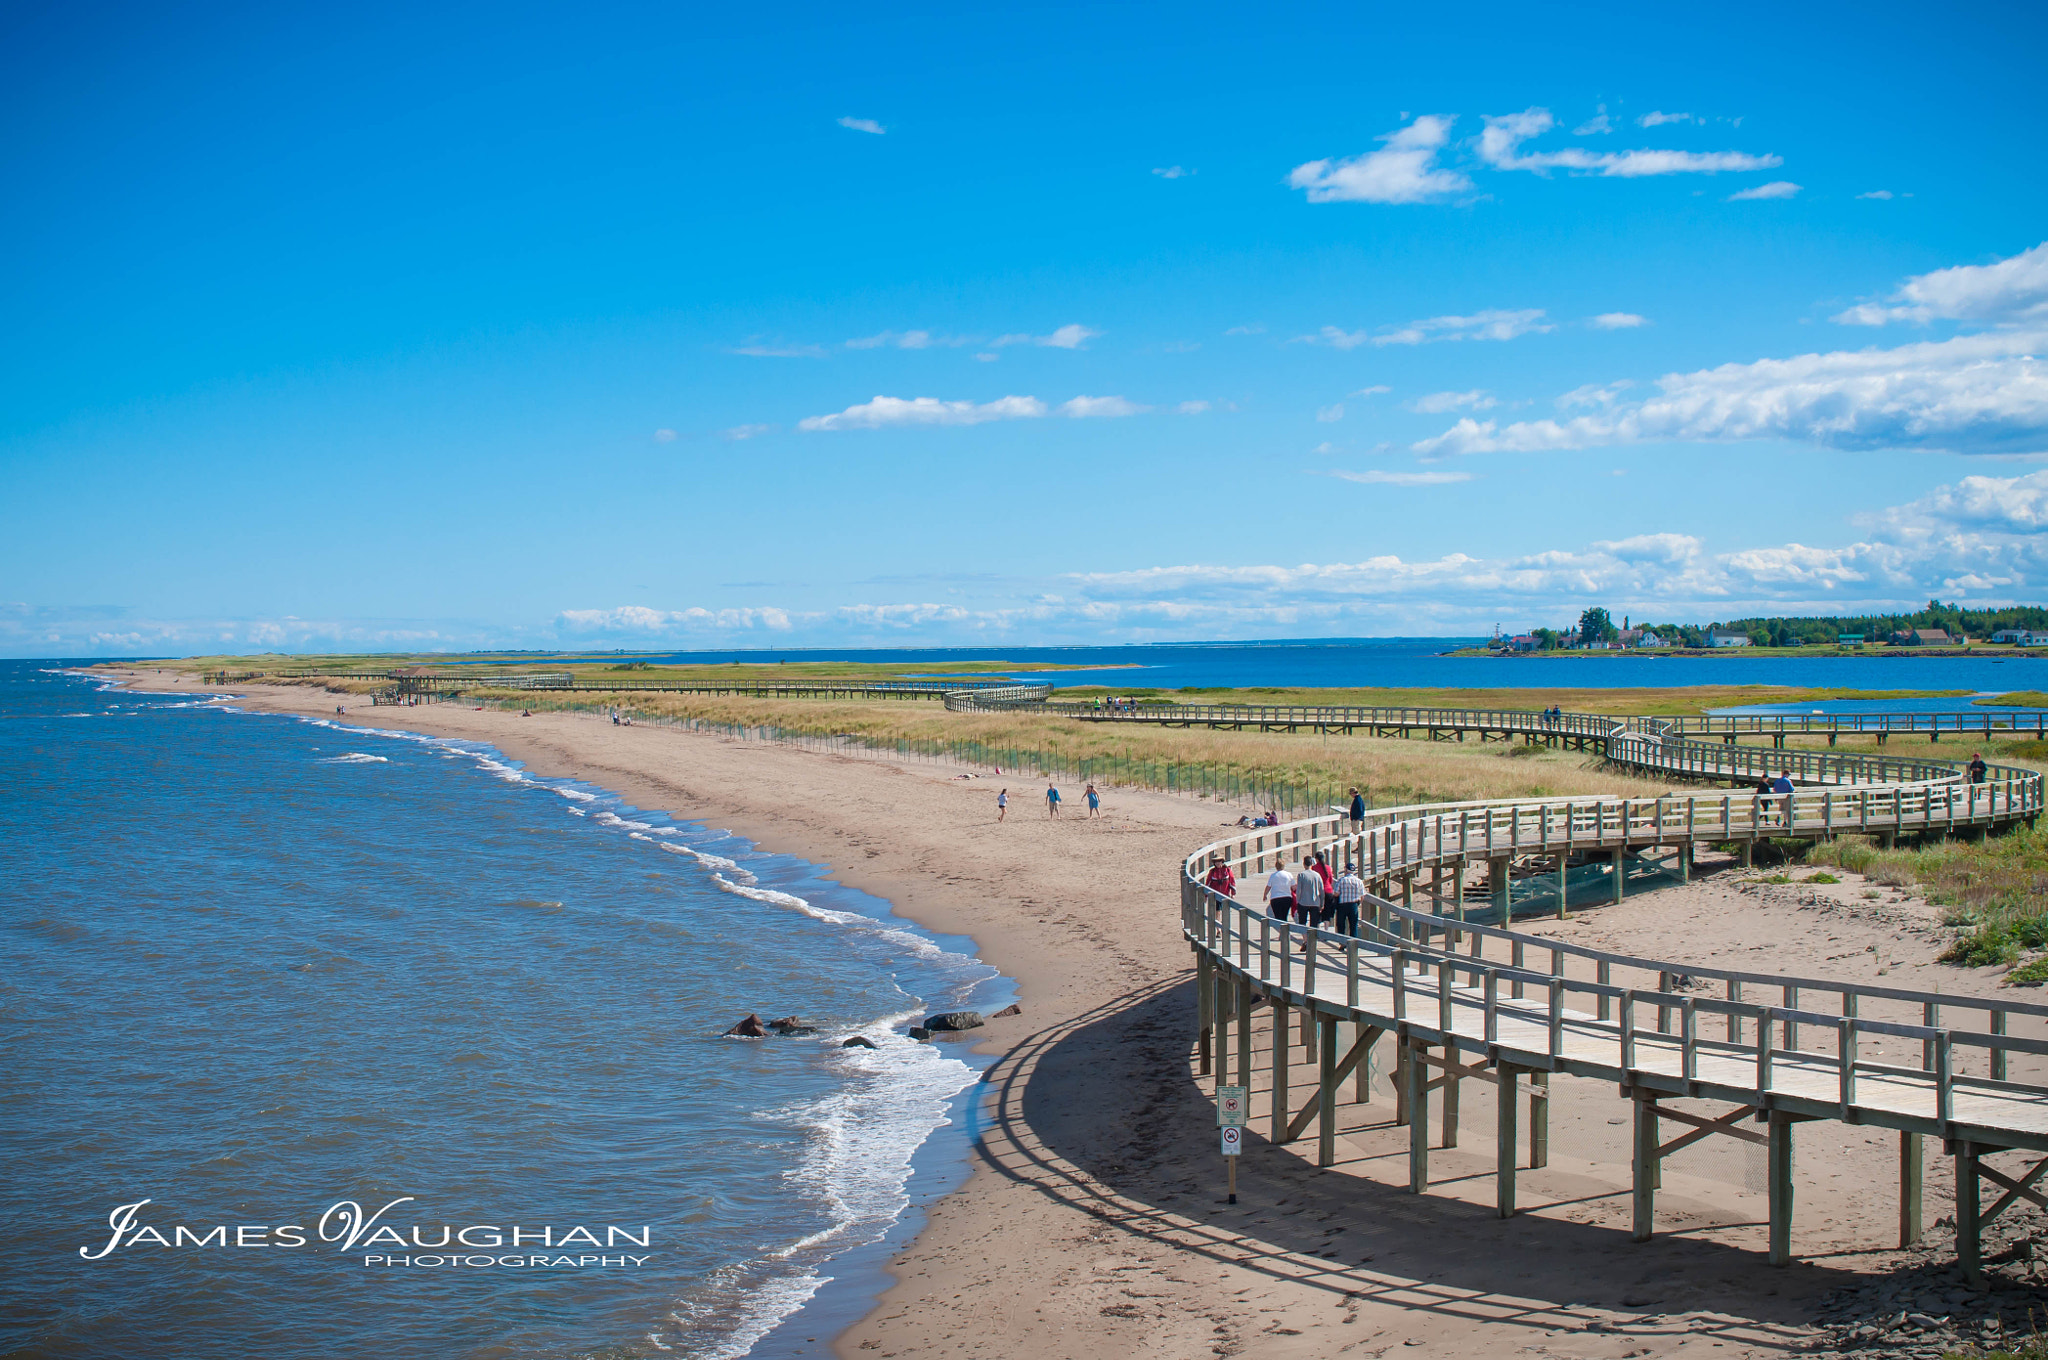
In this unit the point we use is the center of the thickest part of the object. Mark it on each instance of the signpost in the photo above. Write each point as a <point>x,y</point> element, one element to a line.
<point>1233,1108</point>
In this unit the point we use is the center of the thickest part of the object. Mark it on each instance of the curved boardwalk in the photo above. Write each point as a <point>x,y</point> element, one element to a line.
<point>1459,1001</point>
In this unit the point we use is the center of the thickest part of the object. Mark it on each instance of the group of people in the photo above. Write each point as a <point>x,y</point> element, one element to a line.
<point>1317,895</point>
<point>1052,802</point>
<point>1112,704</point>
<point>1553,716</point>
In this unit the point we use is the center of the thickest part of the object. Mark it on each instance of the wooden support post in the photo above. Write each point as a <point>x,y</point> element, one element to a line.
<point>1911,1168</point>
<point>1509,1088</point>
<point>1418,1122</point>
<point>1563,887</point>
<point>1685,862</point>
<point>1749,853</point>
<point>1497,881</point>
<point>1780,1161</point>
<point>1645,1165</point>
<point>1281,1058</point>
<point>1539,1119</point>
<point>1620,872</point>
<point>1219,991</point>
<point>1451,1082</point>
<point>1244,1040</point>
<point>1969,1226</point>
<point>1205,1007</point>
<point>1362,1090</point>
<point>1326,1093</point>
<point>1401,1065</point>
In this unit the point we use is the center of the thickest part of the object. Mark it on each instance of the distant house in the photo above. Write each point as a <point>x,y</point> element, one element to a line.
<point>2021,637</point>
<point>1727,639</point>
<point>1930,637</point>
<point>1640,637</point>
<point>1849,639</point>
<point>1522,642</point>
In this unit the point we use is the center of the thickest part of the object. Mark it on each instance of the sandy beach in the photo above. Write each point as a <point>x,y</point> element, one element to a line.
<point>1094,1224</point>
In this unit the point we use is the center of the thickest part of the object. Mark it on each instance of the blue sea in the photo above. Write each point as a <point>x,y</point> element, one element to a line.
<point>1421,663</point>
<point>259,969</point>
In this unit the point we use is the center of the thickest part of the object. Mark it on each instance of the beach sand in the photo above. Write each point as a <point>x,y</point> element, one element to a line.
<point>1094,1223</point>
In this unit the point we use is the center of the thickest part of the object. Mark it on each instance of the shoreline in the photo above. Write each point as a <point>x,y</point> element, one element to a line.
<point>1091,1223</point>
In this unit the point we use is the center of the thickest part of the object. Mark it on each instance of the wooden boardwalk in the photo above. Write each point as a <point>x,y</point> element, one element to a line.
<point>1461,1001</point>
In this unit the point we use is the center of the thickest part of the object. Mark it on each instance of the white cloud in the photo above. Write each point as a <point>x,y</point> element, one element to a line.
<point>1618,321</point>
<point>986,358</point>
<point>741,432</point>
<point>1334,338</point>
<point>1381,477</point>
<point>1972,394</point>
<point>1085,407</point>
<point>664,436</point>
<point>908,340</point>
<point>1655,119</point>
<point>1488,325</point>
<point>1246,330</point>
<point>1594,126</point>
<point>1376,390</point>
<point>1593,394</point>
<point>1501,141</point>
<point>1402,171</point>
<point>1171,172</point>
<point>1331,413</point>
<point>888,412</point>
<point>1876,193</point>
<point>635,618</point>
<point>863,125</point>
<point>1436,403</point>
<point>1777,188</point>
<point>2010,291</point>
<point>1192,408</point>
<point>758,351</point>
<point>1066,337</point>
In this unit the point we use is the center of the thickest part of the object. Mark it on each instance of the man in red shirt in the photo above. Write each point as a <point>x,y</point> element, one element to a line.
<point>1221,880</point>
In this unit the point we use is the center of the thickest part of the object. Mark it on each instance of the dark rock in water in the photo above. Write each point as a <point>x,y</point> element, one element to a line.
<point>795,1031</point>
<point>919,1032</point>
<point>954,1020</point>
<point>749,1028</point>
<point>858,1041</point>
<point>1007,1010</point>
<point>786,1022</point>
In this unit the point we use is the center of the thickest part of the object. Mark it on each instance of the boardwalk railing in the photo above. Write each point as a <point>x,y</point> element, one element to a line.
<point>1467,1001</point>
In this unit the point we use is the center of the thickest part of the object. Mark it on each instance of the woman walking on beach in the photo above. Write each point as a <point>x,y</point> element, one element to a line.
<point>1002,805</point>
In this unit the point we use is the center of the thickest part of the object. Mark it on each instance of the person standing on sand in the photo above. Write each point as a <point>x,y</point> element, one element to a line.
<point>1052,802</point>
<point>1357,809</point>
<point>1094,802</point>
<point>1002,805</point>
<point>1279,893</point>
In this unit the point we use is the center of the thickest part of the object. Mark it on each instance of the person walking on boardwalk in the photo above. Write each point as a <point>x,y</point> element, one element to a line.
<point>1094,802</point>
<point>1002,805</point>
<point>1279,893</point>
<point>1308,893</point>
<point>1329,878</point>
<point>1782,787</point>
<point>1977,767</point>
<point>1357,809</point>
<point>1220,879</point>
<point>1350,892</point>
<point>1052,802</point>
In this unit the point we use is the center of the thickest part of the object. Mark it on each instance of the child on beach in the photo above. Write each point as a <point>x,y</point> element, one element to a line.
<point>1052,802</point>
<point>1002,805</point>
<point>1094,802</point>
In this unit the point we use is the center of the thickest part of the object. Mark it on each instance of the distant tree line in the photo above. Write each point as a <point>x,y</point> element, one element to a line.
<point>1596,625</point>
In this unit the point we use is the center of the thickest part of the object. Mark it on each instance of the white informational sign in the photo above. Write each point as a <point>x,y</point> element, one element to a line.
<point>1233,1105</point>
<point>1233,1140</point>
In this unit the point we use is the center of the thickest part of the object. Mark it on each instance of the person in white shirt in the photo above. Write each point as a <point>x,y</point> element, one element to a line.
<point>1279,894</point>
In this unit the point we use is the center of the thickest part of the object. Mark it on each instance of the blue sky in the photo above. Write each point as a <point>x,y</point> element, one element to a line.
<point>669,326</point>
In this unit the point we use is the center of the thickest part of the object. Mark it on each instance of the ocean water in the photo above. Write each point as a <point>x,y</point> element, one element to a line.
<point>260,967</point>
<point>1419,663</point>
